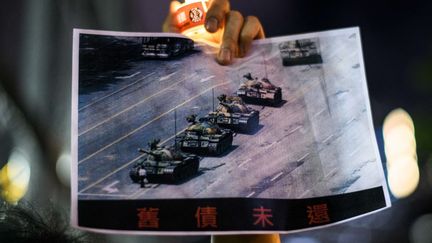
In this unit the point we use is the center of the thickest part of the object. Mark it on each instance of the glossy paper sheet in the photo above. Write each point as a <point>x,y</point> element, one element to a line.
<point>166,141</point>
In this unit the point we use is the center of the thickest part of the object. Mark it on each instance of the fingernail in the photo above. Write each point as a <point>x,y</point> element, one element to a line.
<point>225,55</point>
<point>211,24</point>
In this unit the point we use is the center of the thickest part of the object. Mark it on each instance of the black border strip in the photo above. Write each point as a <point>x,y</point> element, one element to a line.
<point>232,214</point>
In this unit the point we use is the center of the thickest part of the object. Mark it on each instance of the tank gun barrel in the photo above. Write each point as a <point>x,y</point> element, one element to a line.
<point>157,156</point>
<point>146,152</point>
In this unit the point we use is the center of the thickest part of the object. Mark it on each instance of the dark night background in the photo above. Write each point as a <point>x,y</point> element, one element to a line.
<point>36,63</point>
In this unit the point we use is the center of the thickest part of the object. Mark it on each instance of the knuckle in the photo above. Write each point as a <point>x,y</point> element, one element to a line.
<point>252,19</point>
<point>235,14</point>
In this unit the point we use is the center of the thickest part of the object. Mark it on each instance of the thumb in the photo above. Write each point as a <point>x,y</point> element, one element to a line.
<point>174,5</point>
<point>170,23</point>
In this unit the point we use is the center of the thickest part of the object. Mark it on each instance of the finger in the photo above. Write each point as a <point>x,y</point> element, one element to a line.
<point>170,23</point>
<point>215,17</point>
<point>252,29</point>
<point>229,46</point>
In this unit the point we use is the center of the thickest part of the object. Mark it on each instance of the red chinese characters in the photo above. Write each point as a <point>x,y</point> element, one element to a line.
<point>318,214</point>
<point>206,217</point>
<point>262,216</point>
<point>148,217</point>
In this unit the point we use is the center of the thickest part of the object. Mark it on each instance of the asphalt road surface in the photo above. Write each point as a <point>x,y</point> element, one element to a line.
<point>318,142</point>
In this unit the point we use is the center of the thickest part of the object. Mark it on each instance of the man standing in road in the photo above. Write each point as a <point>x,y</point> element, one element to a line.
<point>142,174</point>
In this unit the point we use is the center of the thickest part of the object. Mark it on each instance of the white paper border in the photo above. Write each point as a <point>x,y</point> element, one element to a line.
<point>74,130</point>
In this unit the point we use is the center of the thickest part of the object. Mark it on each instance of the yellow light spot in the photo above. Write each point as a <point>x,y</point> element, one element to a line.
<point>15,177</point>
<point>400,150</point>
<point>403,177</point>
<point>399,141</point>
<point>397,118</point>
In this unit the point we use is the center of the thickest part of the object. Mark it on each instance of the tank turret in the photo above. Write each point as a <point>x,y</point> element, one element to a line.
<point>165,164</point>
<point>261,92</point>
<point>233,113</point>
<point>204,137</point>
<point>300,52</point>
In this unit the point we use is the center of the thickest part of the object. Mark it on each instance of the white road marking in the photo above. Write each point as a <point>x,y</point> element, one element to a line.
<point>271,144</point>
<point>353,152</point>
<point>110,174</point>
<point>207,79</point>
<point>304,193</point>
<point>115,92</point>
<point>276,176</point>
<point>130,76</point>
<point>102,195</point>
<point>82,178</point>
<point>303,157</point>
<point>244,162</point>
<point>110,188</point>
<point>331,172</point>
<point>295,129</point>
<point>149,122</point>
<point>320,112</point>
<point>133,196</point>
<point>351,120</point>
<point>167,76</point>
<point>139,193</point>
<point>328,138</point>
<point>124,166</point>
<point>250,194</point>
<point>130,107</point>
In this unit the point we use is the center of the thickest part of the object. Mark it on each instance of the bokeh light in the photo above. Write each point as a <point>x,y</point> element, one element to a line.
<point>15,177</point>
<point>401,155</point>
<point>399,141</point>
<point>421,229</point>
<point>403,176</point>
<point>396,118</point>
<point>63,168</point>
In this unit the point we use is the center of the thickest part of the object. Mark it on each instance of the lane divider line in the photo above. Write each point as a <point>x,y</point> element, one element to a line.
<point>149,122</point>
<point>115,92</point>
<point>125,165</point>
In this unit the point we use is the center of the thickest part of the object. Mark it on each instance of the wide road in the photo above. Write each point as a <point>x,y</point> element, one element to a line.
<point>316,143</point>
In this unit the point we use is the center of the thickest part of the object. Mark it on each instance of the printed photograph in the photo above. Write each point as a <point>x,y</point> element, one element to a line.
<point>158,118</point>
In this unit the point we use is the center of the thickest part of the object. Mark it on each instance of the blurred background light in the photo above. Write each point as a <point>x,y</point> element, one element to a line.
<point>396,118</point>
<point>63,169</point>
<point>403,177</point>
<point>421,230</point>
<point>15,177</point>
<point>399,141</point>
<point>401,155</point>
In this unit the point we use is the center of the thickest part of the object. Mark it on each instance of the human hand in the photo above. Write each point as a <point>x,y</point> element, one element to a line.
<point>226,27</point>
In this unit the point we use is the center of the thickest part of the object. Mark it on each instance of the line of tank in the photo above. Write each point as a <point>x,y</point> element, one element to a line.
<point>211,135</point>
